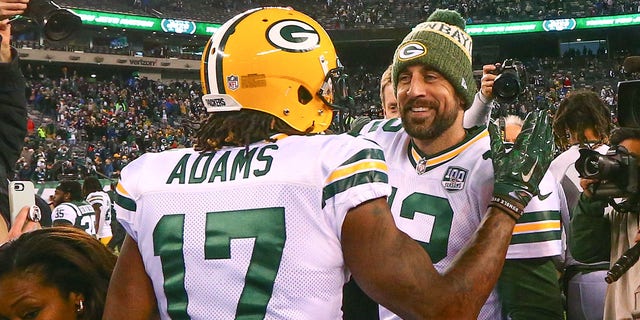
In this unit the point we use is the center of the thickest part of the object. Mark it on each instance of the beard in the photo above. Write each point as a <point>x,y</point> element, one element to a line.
<point>420,127</point>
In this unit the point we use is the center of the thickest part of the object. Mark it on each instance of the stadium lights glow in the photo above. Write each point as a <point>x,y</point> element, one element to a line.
<point>553,25</point>
<point>171,26</point>
<point>174,26</point>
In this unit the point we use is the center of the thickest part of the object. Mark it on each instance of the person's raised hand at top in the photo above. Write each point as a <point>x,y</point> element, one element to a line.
<point>488,77</point>
<point>10,8</point>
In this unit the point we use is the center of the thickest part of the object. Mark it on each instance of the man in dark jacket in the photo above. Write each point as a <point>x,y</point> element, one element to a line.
<point>13,114</point>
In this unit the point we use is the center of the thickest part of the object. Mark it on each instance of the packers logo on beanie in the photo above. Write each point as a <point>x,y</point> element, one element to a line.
<point>441,44</point>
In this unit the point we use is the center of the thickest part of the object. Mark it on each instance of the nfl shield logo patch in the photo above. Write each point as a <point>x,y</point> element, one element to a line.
<point>454,178</point>
<point>232,82</point>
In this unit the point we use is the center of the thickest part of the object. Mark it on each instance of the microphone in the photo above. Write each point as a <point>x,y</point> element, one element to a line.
<point>631,64</point>
<point>626,261</point>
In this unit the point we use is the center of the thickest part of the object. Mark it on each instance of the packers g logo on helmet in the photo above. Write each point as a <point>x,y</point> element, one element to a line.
<point>293,36</point>
<point>274,60</point>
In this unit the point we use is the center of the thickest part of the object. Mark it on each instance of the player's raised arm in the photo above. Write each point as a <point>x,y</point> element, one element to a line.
<point>130,283</point>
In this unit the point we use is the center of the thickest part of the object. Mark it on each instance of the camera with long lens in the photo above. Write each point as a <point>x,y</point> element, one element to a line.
<point>57,23</point>
<point>510,82</point>
<point>617,171</point>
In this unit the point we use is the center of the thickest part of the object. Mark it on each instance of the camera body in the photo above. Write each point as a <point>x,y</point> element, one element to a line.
<point>629,103</point>
<point>617,171</point>
<point>57,23</point>
<point>510,82</point>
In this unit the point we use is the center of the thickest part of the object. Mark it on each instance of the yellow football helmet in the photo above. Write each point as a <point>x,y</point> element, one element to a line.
<point>274,60</point>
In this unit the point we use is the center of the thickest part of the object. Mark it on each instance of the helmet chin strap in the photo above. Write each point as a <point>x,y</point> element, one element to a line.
<point>310,129</point>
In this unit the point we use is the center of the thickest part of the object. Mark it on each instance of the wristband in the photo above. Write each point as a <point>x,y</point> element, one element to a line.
<point>514,209</point>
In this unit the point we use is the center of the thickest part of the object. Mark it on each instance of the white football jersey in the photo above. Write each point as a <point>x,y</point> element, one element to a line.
<point>79,213</point>
<point>249,232</point>
<point>440,200</point>
<point>102,199</point>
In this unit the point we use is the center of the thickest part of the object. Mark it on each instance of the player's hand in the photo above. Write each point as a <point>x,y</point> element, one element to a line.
<point>9,8</point>
<point>486,82</point>
<point>24,222</point>
<point>585,184</point>
<point>518,172</point>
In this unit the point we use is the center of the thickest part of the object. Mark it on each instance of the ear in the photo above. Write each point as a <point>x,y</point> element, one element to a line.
<point>463,105</point>
<point>79,303</point>
<point>76,297</point>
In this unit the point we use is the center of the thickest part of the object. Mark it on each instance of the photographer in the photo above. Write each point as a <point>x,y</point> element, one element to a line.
<point>582,121</point>
<point>598,235</point>
<point>501,84</point>
<point>480,110</point>
<point>12,106</point>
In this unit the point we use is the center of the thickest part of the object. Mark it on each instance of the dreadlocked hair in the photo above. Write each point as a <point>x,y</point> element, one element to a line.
<point>240,129</point>
<point>579,111</point>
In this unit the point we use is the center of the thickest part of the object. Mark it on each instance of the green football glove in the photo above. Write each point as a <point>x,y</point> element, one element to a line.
<point>518,171</point>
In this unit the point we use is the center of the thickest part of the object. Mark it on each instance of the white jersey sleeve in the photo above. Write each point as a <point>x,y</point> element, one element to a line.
<point>538,232</point>
<point>257,226</point>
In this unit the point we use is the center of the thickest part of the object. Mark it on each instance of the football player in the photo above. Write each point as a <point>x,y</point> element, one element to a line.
<point>101,203</point>
<point>441,174</point>
<point>387,96</point>
<point>70,208</point>
<point>266,219</point>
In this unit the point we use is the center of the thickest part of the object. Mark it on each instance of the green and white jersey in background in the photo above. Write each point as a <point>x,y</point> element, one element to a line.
<point>102,199</point>
<point>78,213</point>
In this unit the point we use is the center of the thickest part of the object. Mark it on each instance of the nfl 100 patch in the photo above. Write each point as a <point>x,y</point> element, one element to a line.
<point>454,178</point>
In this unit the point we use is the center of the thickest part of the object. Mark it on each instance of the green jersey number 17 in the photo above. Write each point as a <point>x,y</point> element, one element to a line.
<point>266,226</point>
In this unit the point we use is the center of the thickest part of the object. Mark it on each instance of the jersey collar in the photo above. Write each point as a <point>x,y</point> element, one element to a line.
<point>424,163</point>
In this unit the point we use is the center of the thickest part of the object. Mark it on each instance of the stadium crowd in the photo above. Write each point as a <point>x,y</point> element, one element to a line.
<point>366,14</point>
<point>338,14</point>
<point>80,125</point>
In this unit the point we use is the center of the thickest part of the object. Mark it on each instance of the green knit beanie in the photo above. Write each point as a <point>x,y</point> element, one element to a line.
<point>441,44</point>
